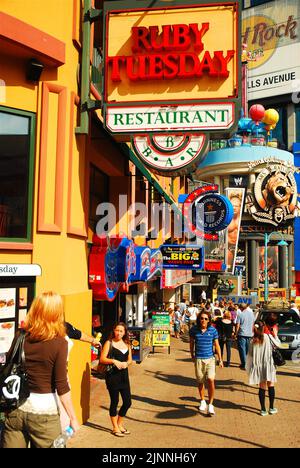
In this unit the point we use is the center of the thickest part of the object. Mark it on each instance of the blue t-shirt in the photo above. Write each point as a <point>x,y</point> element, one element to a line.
<point>204,342</point>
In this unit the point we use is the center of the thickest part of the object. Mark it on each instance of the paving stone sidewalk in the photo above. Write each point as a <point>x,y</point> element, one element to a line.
<point>165,400</point>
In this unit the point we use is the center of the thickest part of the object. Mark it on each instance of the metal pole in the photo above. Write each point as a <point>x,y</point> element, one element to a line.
<point>266,292</point>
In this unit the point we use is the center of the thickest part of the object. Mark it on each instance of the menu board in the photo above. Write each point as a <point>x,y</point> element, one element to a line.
<point>16,295</point>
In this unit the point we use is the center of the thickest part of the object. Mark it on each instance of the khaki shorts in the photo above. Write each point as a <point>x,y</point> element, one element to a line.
<point>205,369</point>
<point>21,427</point>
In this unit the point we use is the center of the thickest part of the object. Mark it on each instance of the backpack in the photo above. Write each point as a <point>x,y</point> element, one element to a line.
<point>14,388</point>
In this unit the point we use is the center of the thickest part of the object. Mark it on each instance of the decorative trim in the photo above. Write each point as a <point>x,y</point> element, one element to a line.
<point>31,41</point>
<point>75,231</point>
<point>16,246</point>
<point>56,226</point>
<point>76,26</point>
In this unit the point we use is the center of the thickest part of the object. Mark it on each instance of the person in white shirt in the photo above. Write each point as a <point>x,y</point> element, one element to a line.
<point>295,308</point>
<point>203,295</point>
<point>192,313</point>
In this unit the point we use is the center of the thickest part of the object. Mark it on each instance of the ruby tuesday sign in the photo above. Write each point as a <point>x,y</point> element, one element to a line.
<point>166,75</point>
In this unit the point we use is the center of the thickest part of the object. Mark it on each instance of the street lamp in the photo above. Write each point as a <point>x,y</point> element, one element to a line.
<point>281,243</point>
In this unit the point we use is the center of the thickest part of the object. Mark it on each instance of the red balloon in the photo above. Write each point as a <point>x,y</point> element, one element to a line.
<point>257,112</point>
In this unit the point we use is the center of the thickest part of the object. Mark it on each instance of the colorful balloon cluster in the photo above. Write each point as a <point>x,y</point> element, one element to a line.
<point>267,117</point>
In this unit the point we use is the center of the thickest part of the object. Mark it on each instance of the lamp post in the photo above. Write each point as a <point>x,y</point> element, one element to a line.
<point>281,243</point>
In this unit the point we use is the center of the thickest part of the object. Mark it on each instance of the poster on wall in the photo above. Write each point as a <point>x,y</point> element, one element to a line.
<point>23,297</point>
<point>22,316</point>
<point>272,266</point>
<point>7,303</point>
<point>236,197</point>
<point>240,263</point>
<point>7,333</point>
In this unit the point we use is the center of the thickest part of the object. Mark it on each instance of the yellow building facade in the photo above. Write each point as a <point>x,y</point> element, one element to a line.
<point>45,208</point>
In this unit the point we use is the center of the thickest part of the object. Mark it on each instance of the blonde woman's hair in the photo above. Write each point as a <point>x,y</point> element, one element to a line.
<point>45,319</point>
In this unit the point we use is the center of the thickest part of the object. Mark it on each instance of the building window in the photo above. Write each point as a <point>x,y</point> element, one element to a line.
<point>17,137</point>
<point>280,131</point>
<point>253,3</point>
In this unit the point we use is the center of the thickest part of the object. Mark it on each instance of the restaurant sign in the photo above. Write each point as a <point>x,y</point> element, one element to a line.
<point>171,154</point>
<point>187,117</point>
<point>168,70</point>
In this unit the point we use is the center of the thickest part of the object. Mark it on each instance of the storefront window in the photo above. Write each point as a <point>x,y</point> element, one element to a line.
<point>16,174</point>
<point>280,131</point>
<point>253,3</point>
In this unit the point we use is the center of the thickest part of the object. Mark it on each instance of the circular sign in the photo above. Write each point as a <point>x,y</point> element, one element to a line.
<point>261,34</point>
<point>212,213</point>
<point>171,155</point>
<point>207,212</point>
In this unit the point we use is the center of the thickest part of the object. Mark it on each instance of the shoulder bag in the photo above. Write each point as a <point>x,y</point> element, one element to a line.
<point>14,388</point>
<point>103,370</point>
<point>277,356</point>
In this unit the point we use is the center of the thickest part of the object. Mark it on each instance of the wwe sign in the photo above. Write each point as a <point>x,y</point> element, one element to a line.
<point>240,181</point>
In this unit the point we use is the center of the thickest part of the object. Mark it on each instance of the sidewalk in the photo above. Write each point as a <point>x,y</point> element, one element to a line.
<point>165,400</point>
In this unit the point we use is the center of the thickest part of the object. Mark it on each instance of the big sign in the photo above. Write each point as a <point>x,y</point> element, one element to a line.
<point>171,68</point>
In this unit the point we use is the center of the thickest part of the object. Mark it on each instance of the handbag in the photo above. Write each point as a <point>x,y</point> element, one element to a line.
<point>103,370</point>
<point>14,387</point>
<point>277,356</point>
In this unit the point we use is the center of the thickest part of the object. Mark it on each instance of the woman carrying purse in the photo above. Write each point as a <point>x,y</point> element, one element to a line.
<point>260,366</point>
<point>37,420</point>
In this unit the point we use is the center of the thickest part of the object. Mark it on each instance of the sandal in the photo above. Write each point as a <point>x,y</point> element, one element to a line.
<point>125,431</point>
<point>117,433</point>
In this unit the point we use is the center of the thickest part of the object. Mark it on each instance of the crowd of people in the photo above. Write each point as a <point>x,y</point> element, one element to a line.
<point>211,328</point>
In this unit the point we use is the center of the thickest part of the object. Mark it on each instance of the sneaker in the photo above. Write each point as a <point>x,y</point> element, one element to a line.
<point>273,410</point>
<point>211,410</point>
<point>264,413</point>
<point>203,405</point>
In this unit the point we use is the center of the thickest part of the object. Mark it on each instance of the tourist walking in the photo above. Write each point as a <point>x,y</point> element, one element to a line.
<point>225,329</point>
<point>117,352</point>
<point>260,366</point>
<point>177,322</point>
<point>46,350</point>
<point>192,312</point>
<point>203,339</point>
<point>244,331</point>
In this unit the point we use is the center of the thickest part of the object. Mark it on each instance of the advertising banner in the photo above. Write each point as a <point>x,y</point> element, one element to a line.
<point>182,257</point>
<point>272,34</point>
<point>272,266</point>
<point>236,197</point>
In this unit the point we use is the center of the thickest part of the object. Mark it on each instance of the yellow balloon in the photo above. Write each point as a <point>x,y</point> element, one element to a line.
<point>271,117</point>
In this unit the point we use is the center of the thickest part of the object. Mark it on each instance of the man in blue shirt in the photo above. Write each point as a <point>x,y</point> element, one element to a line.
<point>203,338</point>
<point>244,331</point>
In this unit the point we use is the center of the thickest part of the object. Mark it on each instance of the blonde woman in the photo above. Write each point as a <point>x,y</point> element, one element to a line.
<point>46,349</point>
